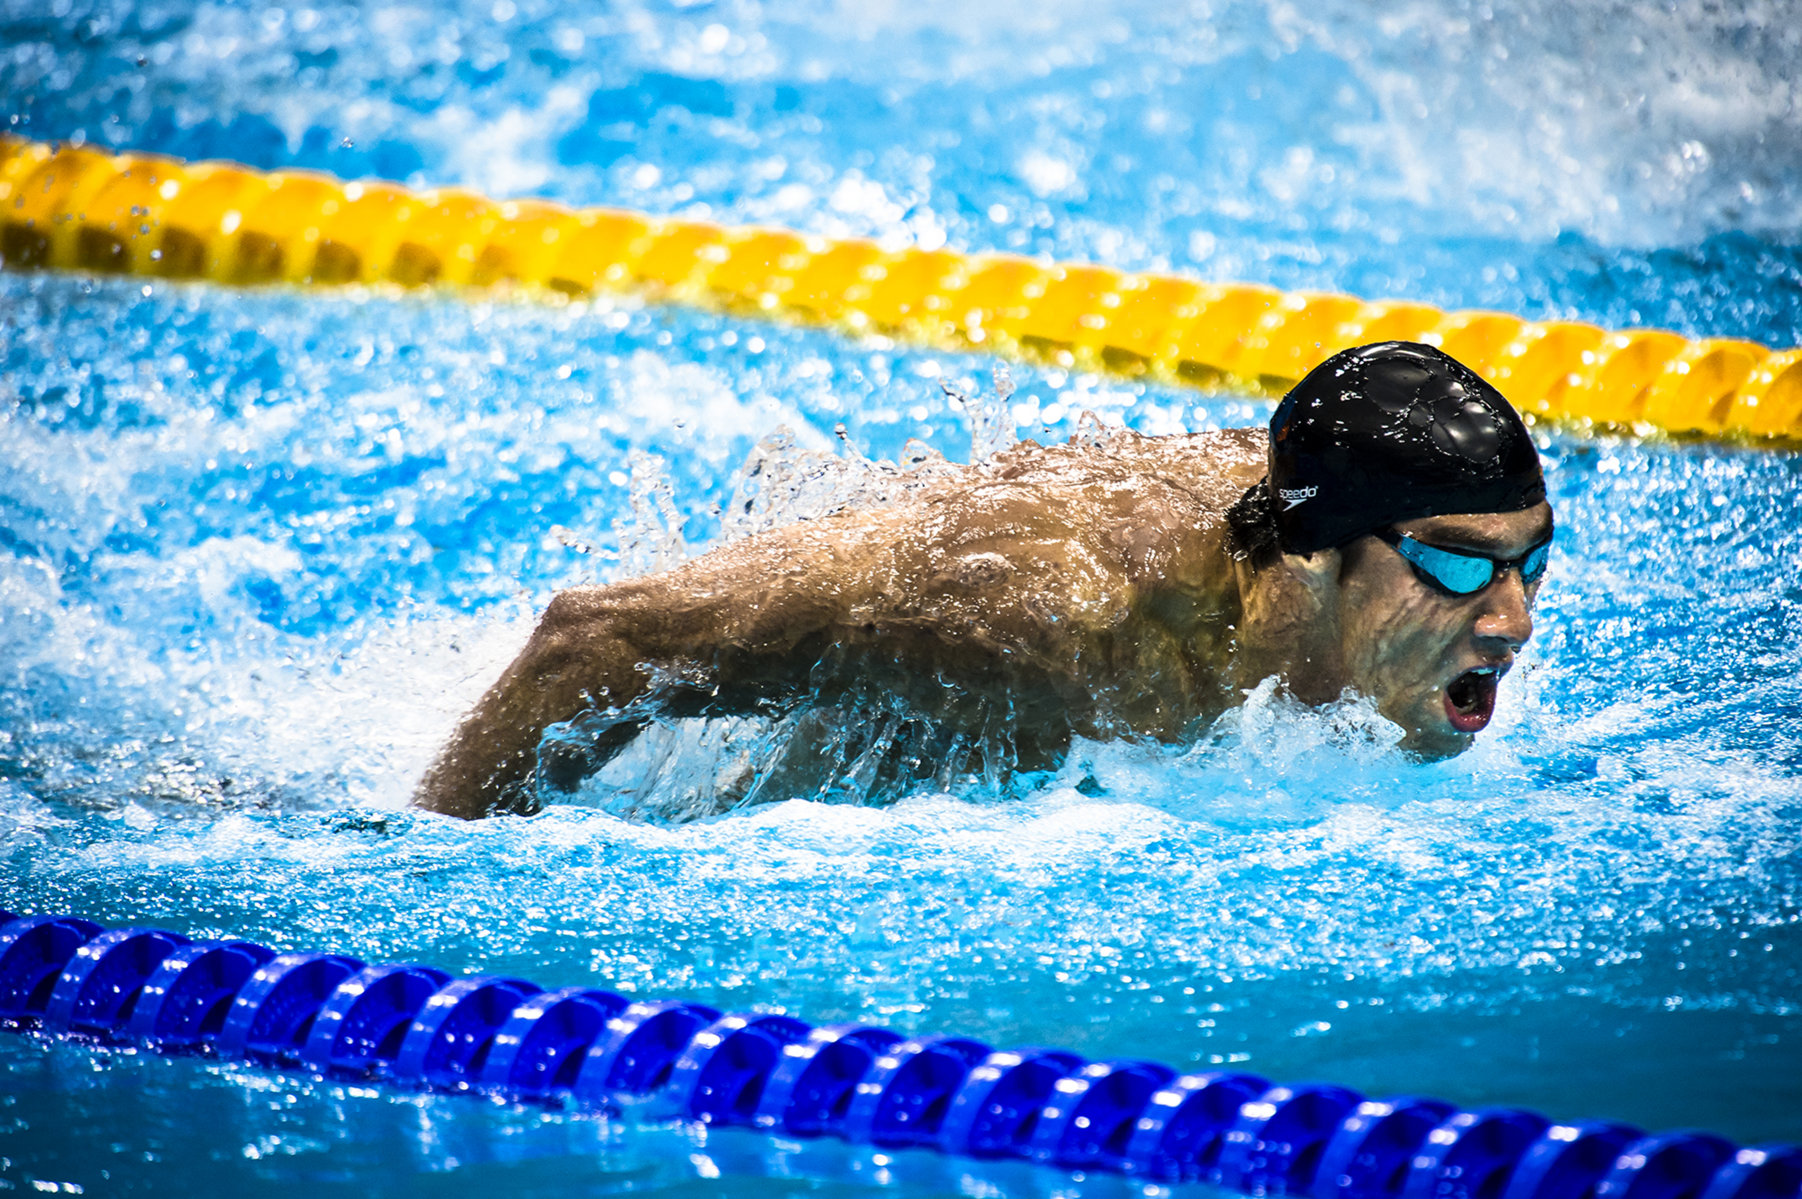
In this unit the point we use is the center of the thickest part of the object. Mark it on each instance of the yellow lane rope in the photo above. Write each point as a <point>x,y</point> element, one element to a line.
<point>78,208</point>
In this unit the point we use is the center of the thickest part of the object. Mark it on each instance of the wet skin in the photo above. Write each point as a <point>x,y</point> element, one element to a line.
<point>1088,589</point>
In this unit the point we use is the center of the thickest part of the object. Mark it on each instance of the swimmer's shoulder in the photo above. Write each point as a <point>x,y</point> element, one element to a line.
<point>1214,451</point>
<point>1215,466</point>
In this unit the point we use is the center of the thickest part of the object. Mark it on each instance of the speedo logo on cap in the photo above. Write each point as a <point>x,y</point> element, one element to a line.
<point>1296,495</point>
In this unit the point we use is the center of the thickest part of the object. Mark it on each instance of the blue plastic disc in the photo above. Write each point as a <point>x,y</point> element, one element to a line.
<point>1676,1165</point>
<point>1179,1135</point>
<point>904,1097</point>
<point>1368,1158</point>
<point>1763,1172</point>
<point>538,1051</point>
<point>185,1002</point>
<point>34,951</point>
<point>720,1076</point>
<point>273,1012</point>
<point>997,1110</point>
<point>1568,1160</point>
<point>810,1090</point>
<point>635,1053</point>
<point>1274,1148</point>
<point>1473,1154</point>
<point>97,990</point>
<point>358,1032</point>
<point>446,1046</point>
<point>1089,1119</point>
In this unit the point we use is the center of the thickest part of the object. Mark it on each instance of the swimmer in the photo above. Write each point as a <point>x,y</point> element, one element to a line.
<point>1386,538</point>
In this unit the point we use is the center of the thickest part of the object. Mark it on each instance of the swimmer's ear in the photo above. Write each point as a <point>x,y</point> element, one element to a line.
<point>1318,571</point>
<point>1294,586</point>
<point>1311,584</point>
<point>1290,600</point>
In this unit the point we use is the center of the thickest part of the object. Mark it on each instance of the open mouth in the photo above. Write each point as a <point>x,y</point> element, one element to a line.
<point>1470,699</point>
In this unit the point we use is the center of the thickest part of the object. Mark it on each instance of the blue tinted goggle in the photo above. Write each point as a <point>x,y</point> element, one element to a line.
<point>1465,572</point>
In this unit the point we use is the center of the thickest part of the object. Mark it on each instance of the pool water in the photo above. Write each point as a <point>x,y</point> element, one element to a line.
<point>259,550</point>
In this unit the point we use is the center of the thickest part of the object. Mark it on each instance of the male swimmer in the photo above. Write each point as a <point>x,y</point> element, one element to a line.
<point>1387,538</point>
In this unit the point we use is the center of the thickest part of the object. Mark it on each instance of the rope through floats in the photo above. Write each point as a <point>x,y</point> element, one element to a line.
<point>79,208</point>
<point>415,1028</point>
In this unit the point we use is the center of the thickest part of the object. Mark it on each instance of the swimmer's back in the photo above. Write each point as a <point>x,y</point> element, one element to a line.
<point>1080,573</point>
<point>1048,538</point>
<point>1081,586</point>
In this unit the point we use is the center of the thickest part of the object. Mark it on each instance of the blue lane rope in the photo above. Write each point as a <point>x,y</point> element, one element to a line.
<point>416,1028</point>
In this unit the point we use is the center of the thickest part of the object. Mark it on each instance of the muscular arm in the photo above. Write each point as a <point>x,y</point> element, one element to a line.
<point>744,620</point>
<point>572,663</point>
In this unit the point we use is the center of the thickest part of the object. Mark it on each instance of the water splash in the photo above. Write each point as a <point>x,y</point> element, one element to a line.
<point>652,540</point>
<point>259,551</point>
<point>989,414</point>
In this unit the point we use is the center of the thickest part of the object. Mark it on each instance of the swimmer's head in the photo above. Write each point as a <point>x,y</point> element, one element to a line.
<point>1386,433</point>
<point>1380,451</point>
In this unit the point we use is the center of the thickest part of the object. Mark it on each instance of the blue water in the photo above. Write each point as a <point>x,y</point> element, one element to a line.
<point>259,550</point>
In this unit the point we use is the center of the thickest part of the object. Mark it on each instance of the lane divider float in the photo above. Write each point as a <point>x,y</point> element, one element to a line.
<point>415,1028</point>
<point>81,208</point>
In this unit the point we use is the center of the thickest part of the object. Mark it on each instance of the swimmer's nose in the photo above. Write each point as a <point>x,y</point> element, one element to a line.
<point>1506,617</point>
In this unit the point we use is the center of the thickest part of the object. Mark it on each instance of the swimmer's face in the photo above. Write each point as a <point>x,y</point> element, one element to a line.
<point>1432,660</point>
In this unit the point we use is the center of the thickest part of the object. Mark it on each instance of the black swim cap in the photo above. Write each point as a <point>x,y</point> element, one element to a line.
<point>1390,432</point>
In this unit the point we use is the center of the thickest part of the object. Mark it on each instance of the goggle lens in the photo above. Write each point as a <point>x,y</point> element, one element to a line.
<point>1459,574</point>
<point>1465,573</point>
<point>1532,567</point>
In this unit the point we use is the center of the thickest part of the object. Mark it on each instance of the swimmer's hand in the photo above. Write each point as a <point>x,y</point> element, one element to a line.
<point>576,661</point>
